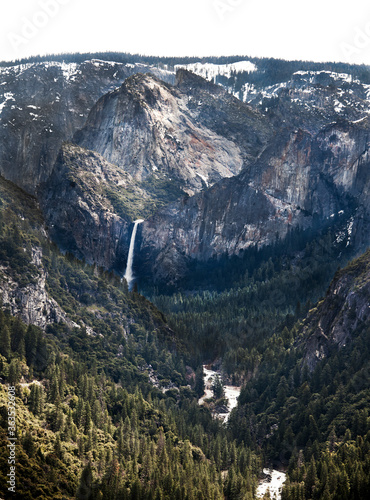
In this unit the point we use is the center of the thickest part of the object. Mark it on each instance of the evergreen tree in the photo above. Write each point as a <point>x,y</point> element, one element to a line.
<point>5,347</point>
<point>199,381</point>
<point>217,387</point>
<point>14,372</point>
<point>85,487</point>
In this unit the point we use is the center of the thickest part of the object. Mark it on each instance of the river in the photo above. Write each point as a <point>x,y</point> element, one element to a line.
<point>274,482</point>
<point>231,392</point>
<point>274,479</point>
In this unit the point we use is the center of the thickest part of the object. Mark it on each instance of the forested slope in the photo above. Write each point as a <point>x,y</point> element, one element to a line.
<point>104,399</point>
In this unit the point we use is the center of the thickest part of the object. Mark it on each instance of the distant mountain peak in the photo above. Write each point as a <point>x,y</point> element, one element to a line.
<point>145,128</point>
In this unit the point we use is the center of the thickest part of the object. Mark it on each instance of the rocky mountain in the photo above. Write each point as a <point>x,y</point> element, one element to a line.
<point>43,104</point>
<point>304,84</point>
<point>23,275</point>
<point>31,302</point>
<point>301,179</point>
<point>314,98</point>
<point>344,311</point>
<point>149,130</point>
<point>144,145</point>
<point>211,175</point>
<point>88,203</point>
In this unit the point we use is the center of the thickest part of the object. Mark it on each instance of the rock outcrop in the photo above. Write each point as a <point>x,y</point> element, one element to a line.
<point>158,132</point>
<point>300,179</point>
<point>77,203</point>
<point>43,104</point>
<point>345,309</point>
<point>32,302</point>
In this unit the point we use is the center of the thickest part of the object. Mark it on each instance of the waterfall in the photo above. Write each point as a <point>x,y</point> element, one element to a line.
<point>129,276</point>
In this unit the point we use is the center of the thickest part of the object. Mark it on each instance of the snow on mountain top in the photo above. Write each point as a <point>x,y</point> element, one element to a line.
<point>345,77</point>
<point>210,71</point>
<point>18,69</point>
<point>68,69</point>
<point>100,62</point>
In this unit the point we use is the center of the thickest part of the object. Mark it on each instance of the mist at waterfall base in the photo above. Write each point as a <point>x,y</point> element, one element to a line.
<point>129,274</point>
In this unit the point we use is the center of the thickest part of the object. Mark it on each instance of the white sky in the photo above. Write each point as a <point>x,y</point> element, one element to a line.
<point>318,30</point>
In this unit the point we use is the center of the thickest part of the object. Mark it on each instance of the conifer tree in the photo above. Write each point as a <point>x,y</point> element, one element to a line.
<point>85,487</point>
<point>87,417</point>
<point>28,444</point>
<point>5,348</point>
<point>58,447</point>
<point>217,387</point>
<point>14,372</point>
<point>17,335</point>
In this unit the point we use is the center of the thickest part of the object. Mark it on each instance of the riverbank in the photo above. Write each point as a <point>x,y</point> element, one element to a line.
<point>231,393</point>
<point>273,482</point>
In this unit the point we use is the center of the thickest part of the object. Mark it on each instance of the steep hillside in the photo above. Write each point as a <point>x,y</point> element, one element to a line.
<point>345,310</point>
<point>51,290</point>
<point>321,96</point>
<point>299,180</point>
<point>85,431</point>
<point>307,402</point>
<point>104,398</point>
<point>88,203</point>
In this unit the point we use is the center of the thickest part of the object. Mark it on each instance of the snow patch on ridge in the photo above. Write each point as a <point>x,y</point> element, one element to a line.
<point>210,71</point>
<point>203,177</point>
<point>344,77</point>
<point>8,97</point>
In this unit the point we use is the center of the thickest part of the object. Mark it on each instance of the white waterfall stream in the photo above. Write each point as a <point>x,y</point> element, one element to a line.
<point>129,275</point>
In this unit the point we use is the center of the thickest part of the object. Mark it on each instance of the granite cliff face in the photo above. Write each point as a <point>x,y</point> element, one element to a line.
<point>78,209</point>
<point>299,179</point>
<point>227,116</point>
<point>141,148</point>
<point>159,132</point>
<point>211,174</point>
<point>345,309</point>
<point>24,289</point>
<point>43,104</point>
<point>32,302</point>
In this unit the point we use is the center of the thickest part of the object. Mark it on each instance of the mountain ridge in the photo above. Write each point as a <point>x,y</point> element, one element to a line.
<point>106,384</point>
